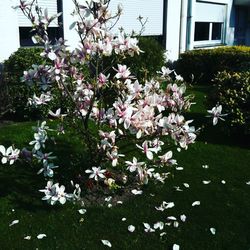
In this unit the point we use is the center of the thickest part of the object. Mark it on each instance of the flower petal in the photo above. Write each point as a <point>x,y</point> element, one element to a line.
<point>106,243</point>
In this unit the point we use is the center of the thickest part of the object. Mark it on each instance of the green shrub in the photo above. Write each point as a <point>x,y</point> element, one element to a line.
<point>202,65</point>
<point>232,90</point>
<point>144,65</point>
<point>147,63</point>
<point>18,92</point>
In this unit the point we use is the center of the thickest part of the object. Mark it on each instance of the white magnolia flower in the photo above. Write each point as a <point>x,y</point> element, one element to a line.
<point>47,169</point>
<point>106,243</point>
<point>57,114</point>
<point>28,237</point>
<point>55,193</point>
<point>165,72</point>
<point>9,155</point>
<point>216,114</point>
<point>132,166</point>
<point>96,173</point>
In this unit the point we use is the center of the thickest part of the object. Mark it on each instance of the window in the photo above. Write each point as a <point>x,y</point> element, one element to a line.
<point>208,32</point>
<point>209,23</point>
<point>55,30</point>
<point>25,35</point>
<point>216,31</point>
<point>201,31</point>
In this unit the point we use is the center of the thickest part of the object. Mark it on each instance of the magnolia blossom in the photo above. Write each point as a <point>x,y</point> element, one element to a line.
<point>142,110</point>
<point>39,100</point>
<point>57,114</point>
<point>96,173</point>
<point>216,114</point>
<point>133,166</point>
<point>9,155</point>
<point>166,158</point>
<point>146,150</point>
<point>54,193</point>
<point>122,72</point>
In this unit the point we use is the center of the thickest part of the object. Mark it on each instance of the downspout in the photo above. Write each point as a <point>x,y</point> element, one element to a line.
<point>183,26</point>
<point>190,28</point>
<point>60,18</point>
<point>164,26</point>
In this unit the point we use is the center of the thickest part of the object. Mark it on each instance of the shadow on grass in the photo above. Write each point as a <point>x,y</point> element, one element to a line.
<point>219,134</point>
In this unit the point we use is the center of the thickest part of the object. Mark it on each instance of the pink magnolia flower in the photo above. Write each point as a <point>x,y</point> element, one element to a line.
<point>122,72</point>
<point>146,150</point>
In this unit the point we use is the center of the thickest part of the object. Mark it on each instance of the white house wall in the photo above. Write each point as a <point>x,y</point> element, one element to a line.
<point>179,26</point>
<point>173,29</point>
<point>152,10</point>
<point>9,38</point>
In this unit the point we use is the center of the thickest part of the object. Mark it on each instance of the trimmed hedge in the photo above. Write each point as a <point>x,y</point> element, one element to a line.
<point>202,65</point>
<point>232,90</point>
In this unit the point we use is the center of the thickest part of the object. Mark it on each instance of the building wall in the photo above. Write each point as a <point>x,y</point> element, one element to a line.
<point>180,22</point>
<point>9,38</point>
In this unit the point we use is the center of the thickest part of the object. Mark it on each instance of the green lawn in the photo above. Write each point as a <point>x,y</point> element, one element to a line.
<point>225,207</point>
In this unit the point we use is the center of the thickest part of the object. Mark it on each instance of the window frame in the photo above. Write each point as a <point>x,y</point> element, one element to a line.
<point>210,42</point>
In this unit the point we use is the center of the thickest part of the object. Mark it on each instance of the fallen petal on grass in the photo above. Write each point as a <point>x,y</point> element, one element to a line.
<point>183,217</point>
<point>41,236</point>
<point>212,230</point>
<point>106,243</point>
<point>206,182</point>
<point>82,211</point>
<point>176,247</point>
<point>131,228</point>
<point>196,203</point>
<point>13,223</point>
<point>136,192</point>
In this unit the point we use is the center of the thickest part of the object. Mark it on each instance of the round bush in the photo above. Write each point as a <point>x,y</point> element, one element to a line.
<point>202,65</point>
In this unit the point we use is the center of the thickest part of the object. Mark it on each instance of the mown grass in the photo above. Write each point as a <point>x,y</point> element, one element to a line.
<point>225,207</point>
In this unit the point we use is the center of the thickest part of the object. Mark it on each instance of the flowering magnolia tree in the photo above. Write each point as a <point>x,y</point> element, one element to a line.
<point>146,114</point>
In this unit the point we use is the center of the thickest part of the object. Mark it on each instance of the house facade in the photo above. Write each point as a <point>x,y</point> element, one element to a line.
<point>180,25</point>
